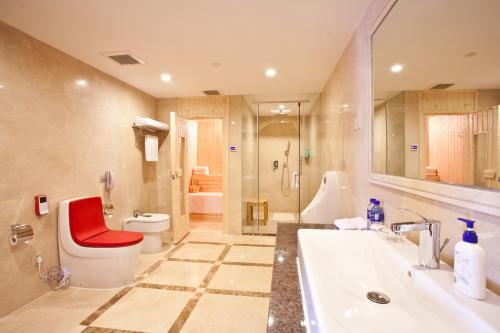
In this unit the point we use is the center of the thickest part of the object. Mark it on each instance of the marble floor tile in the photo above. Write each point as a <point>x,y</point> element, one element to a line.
<point>201,236</point>
<point>199,251</point>
<point>65,308</point>
<point>228,314</point>
<point>177,273</point>
<point>225,238</point>
<point>145,310</point>
<point>251,254</point>
<point>244,278</point>
<point>146,260</point>
<point>205,226</point>
<point>77,329</point>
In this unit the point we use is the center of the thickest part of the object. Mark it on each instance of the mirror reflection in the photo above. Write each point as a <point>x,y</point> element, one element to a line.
<point>436,72</point>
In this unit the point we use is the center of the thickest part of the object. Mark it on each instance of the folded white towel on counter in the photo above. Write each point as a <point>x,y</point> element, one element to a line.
<point>355,223</point>
<point>430,170</point>
<point>150,123</point>
<point>151,148</point>
<point>201,170</point>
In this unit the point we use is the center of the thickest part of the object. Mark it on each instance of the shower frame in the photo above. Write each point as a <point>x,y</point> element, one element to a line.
<point>299,103</point>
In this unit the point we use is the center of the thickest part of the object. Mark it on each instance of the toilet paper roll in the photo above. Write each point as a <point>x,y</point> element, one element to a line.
<point>15,240</point>
<point>20,234</point>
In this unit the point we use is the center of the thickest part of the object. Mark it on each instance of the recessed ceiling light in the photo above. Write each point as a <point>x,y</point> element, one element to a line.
<point>345,105</point>
<point>280,111</point>
<point>2,86</point>
<point>270,72</point>
<point>282,121</point>
<point>81,83</point>
<point>281,106</point>
<point>166,77</point>
<point>396,68</point>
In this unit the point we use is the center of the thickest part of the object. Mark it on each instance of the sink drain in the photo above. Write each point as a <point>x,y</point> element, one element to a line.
<point>378,297</point>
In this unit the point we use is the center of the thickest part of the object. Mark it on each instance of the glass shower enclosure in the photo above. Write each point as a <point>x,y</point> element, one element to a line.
<point>273,153</point>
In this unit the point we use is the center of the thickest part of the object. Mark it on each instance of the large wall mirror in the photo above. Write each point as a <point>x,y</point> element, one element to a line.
<point>436,88</point>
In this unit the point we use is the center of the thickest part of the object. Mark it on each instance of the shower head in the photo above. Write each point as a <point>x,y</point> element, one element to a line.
<point>287,151</point>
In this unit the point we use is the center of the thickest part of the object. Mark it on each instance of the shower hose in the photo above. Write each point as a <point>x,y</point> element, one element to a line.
<point>285,189</point>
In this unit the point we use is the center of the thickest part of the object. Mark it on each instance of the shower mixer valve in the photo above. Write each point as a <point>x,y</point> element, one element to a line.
<point>275,166</point>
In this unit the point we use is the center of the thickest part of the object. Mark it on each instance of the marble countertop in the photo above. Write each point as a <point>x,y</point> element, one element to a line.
<point>285,307</point>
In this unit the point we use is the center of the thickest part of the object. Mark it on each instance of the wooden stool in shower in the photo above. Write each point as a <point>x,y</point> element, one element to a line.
<point>254,203</point>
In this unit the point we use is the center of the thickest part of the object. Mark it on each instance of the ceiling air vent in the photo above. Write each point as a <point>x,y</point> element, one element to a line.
<point>211,92</point>
<point>443,85</point>
<point>124,58</point>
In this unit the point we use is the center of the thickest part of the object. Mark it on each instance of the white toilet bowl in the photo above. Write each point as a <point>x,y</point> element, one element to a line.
<point>151,226</point>
<point>96,257</point>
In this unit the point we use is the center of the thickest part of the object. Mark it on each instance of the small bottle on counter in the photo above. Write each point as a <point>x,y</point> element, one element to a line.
<point>377,213</point>
<point>369,210</point>
<point>470,264</point>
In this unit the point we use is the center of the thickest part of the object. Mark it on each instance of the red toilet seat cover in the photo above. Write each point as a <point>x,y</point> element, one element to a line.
<point>88,228</point>
<point>114,238</point>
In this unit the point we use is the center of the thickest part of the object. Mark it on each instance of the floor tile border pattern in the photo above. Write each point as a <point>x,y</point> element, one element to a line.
<point>188,309</point>
<point>93,329</point>
<point>96,314</point>
<point>198,292</point>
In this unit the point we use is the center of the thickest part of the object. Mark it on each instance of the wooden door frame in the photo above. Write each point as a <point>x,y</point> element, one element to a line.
<point>177,217</point>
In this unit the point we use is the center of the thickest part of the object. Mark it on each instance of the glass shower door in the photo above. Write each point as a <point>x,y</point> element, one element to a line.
<point>272,160</point>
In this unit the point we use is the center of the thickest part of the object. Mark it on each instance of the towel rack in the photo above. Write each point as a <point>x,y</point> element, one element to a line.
<point>148,129</point>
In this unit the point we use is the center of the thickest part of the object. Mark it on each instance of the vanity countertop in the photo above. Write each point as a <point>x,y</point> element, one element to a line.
<point>285,307</point>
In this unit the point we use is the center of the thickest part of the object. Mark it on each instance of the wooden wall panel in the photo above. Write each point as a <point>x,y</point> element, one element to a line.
<point>207,183</point>
<point>210,144</point>
<point>485,123</point>
<point>449,147</point>
<point>439,101</point>
<point>204,107</point>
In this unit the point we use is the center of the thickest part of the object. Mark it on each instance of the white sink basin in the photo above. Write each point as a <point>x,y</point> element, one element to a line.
<point>338,268</point>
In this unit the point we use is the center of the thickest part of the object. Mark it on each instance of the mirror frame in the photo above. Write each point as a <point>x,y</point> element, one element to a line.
<point>481,200</point>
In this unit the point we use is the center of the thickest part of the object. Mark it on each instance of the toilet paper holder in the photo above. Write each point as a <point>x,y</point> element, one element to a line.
<point>20,233</point>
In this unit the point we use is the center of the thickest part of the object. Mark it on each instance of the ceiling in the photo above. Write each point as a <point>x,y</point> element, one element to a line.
<point>260,105</point>
<point>431,39</point>
<point>303,40</point>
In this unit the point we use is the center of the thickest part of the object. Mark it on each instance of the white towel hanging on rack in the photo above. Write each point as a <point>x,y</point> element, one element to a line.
<point>151,148</point>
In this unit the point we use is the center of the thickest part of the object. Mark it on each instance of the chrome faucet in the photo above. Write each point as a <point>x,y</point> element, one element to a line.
<point>429,245</point>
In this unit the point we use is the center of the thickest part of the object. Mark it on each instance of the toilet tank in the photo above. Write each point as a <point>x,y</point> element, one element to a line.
<point>332,201</point>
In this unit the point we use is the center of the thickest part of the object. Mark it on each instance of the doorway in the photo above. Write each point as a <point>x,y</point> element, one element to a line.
<point>205,169</point>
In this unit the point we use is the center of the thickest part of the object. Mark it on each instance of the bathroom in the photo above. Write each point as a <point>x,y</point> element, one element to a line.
<point>366,94</point>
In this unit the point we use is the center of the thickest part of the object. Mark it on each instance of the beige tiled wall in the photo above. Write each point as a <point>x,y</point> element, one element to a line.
<point>58,138</point>
<point>311,167</point>
<point>345,147</point>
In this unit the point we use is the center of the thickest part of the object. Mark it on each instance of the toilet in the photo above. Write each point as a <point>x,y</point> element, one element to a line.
<point>151,225</point>
<point>96,256</point>
<point>332,201</point>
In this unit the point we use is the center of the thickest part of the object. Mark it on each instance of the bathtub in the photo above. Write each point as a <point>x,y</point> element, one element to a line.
<point>206,203</point>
